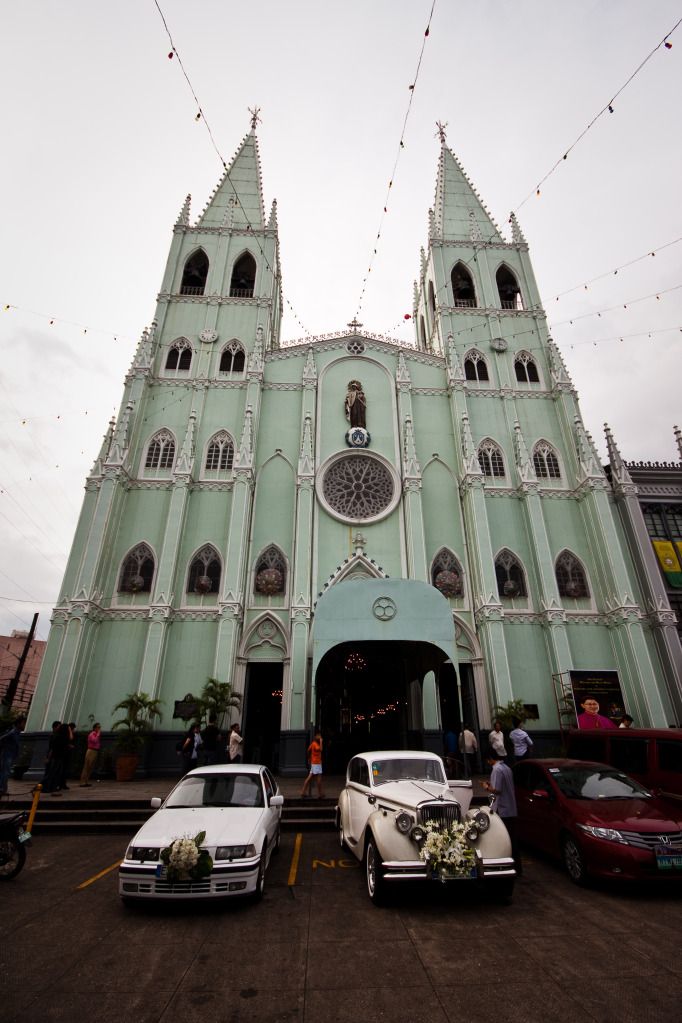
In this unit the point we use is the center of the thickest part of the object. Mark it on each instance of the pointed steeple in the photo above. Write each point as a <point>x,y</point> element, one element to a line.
<point>272,222</point>
<point>120,441</point>
<point>517,233</point>
<point>244,457</point>
<point>523,461</point>
<point>238,198</point>
<point>306,455</point>
<point>678,438</point>
<point>459,211</point>
<point>104,450</point>
<point>183,466</point>
<point>412,467</point>
<point>472,465</point>
<point>620,476</point>
<point>586,455</point>
<point>183,215</point>
<point>309,370</point>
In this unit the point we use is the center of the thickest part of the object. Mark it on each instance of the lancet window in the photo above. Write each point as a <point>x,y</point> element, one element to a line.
<point>220,453</point>
<point>204,572</point>
<point>570,576</point>
<point>179,356</point>
<point>545,461</point>
<point>490,458</point>
<point>526,369</point>
<point>137,571</point>
<point>271,572</point>
<point>463,291</point>
<point>161,451</point>
<point>446,573</point>
<point>432,297</point>
<point>475,366</point>
<point>511,580</point>
<point>508,289</point>
<point>243,278</point>
<point>195,273</point>
<point>232,359</point>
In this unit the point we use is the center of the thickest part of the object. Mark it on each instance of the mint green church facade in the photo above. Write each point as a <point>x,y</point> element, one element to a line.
<point>379,539</point>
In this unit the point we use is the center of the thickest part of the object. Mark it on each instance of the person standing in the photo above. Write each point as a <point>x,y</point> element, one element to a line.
<point>468,747</point>
<point>56,768</point>
<point>521,741</point>
<point>496,740</point>
<point>91,754</point>
<point>501,787</point>
<point>314,767</point>
<point>234,745</point>
<point>9,751</point>
<point>191,747</point>
<point>210,738</point>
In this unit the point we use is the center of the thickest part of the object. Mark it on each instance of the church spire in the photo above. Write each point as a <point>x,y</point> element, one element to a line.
<point>458,209</point>
<point>238,198</point>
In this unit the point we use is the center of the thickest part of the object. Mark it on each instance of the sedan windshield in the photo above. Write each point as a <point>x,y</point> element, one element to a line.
<point>407,770</point>
<point>596,783</point>
<point>217,790</point>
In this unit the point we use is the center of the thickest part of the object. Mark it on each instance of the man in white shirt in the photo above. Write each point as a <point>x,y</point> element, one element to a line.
<point>468,747</point>
<point>521,741</point>
<point>496,739</point>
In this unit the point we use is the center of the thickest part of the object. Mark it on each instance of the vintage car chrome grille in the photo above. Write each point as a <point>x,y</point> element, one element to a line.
<point>440,812</point>
<point>651,840</point>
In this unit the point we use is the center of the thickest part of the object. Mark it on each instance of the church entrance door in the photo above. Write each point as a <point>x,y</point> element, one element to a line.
<point>262,713</point>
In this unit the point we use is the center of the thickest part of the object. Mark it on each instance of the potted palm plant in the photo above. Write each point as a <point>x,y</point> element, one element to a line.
<point>133,731</point>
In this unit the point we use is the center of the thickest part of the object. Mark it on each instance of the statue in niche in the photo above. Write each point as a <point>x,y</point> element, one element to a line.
<point>356,405</point>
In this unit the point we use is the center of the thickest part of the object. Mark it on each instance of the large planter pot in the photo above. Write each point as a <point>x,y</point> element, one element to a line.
<point>126,766</point>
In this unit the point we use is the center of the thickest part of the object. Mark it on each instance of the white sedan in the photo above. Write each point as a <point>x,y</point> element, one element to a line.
<point>400,815</point>
<point>234,809</point>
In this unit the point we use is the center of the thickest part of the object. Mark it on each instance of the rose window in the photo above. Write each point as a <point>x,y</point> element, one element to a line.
<point>358,487</point>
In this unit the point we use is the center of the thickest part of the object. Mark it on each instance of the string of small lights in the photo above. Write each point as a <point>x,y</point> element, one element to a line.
<point>608,108</point>
<point>401,146</point>
<point>201,116</point>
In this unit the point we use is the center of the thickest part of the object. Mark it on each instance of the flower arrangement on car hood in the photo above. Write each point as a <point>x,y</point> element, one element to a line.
<point>185,859</point>
<point>446,850</point>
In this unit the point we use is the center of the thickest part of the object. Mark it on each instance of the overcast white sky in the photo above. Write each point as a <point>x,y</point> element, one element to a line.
<point>101,146</point>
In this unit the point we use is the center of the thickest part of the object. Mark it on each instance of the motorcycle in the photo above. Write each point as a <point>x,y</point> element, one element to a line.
<point>13,841</point>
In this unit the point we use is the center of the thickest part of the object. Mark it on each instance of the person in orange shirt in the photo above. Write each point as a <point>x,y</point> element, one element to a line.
<point>315,766</point>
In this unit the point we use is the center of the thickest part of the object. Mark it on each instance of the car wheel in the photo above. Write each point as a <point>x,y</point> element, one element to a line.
<point>376,885</point>
<point>342,836</point>
<point>573,861</point>
<point>260,882</point>
<point>12,859</point>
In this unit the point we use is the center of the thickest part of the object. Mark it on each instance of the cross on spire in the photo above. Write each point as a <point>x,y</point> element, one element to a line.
<point>441,130</point>
<point>354,324</point>
<point>255,117</point>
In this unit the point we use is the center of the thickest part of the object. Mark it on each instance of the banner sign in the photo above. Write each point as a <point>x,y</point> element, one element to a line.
<point>669,562</point>
<point>598,698</point>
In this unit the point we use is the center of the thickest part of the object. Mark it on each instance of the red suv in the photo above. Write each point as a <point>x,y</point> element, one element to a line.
<point>653,756</point>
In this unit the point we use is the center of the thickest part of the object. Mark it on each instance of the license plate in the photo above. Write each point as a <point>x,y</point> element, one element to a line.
<point>24,836</point>
<point>161,872</point>
<point>666,859</point>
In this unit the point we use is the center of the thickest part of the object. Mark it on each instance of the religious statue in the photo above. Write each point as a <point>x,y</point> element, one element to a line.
<point>356,404</point>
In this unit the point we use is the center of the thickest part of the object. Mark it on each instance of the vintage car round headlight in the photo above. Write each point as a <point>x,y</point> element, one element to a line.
<point>472,832</point>
<point>482,821</point>
<point>418,834</point>
<point>403,822</point>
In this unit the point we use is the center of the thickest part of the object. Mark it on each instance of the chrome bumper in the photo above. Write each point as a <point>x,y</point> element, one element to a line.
<point>416,870</point>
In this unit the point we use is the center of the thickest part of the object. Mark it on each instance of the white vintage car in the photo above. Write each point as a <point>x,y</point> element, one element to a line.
<point>393,813</point>
<point>238,806</point>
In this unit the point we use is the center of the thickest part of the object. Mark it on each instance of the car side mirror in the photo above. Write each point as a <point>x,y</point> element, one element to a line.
<point>540,794</point>
<point>276,800</point>
<point>156,803</point>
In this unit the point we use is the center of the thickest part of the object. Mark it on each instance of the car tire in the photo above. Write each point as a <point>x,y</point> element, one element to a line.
<point>376,884</point>
<point>573,861</point>
<point>260,881</point>
<point>342,836</point>
<point>12,858</point>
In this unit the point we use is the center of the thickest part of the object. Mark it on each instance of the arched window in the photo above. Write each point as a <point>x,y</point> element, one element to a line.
<point>204,572</point>
<point>446,573</point>
<point>463,291</point>
<point>179,356</point>
<point>511,581</point>
<point>570,576</point>
<point>475,366</point>
<point>508,289</point>
<point>232,359</point>
<point>137,571</point>
<point>422,331</point>
<point>490,458</point>
<point>432,297</point>
<point>220,453</point>
<point>525,369</point>
<point>545,461</point>
<point>243,277</point>
<point>271,572</point>
<point>195,273</point>
<point>161,451</point>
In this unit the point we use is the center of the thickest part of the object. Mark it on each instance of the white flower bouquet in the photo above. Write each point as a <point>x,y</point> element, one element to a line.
<point>447,851</point>
<point>185,860</point>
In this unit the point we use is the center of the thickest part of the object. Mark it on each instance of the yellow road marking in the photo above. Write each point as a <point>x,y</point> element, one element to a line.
<point>102,873</point>
<point>293,869</point>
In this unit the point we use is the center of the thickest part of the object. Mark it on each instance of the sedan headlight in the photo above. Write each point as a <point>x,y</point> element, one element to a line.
<point>403,822</point>
<point>234,852</point>
<point>608,834</point>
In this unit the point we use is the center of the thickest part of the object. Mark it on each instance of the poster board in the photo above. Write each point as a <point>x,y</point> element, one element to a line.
<point>598,698</point>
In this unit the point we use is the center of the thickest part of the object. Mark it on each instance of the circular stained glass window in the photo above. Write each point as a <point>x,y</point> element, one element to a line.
<point>358,487</point>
